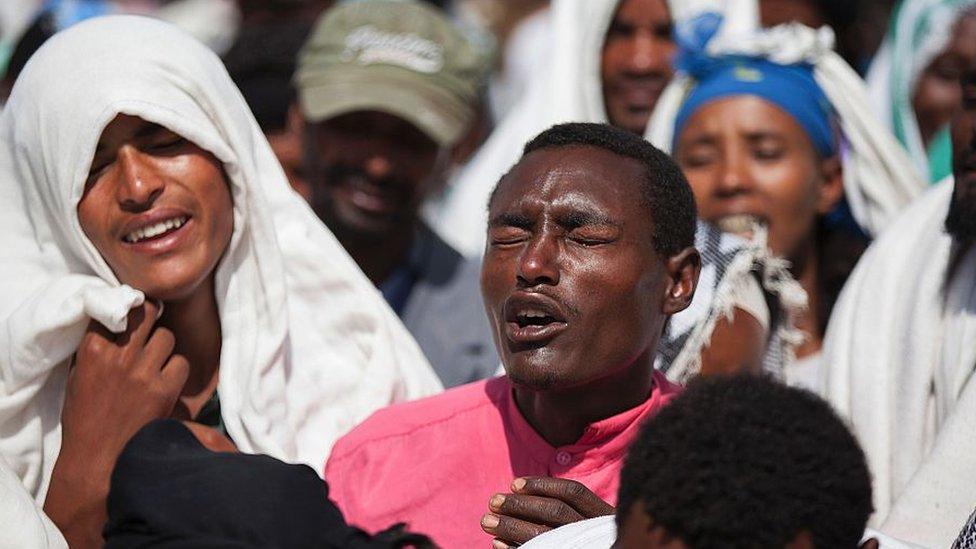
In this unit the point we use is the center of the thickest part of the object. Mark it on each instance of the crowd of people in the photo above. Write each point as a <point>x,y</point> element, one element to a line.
<point>488,273</point>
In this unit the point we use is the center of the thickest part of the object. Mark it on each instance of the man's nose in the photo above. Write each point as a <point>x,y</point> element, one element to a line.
<point>140,183</point>
<point>539,262</point>
<point>733,177</point>
<point>649,54</point>
<point>378,166</point>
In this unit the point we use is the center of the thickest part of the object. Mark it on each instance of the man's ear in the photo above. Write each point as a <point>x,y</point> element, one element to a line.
<point>832,189</point>
<point>683,270</point>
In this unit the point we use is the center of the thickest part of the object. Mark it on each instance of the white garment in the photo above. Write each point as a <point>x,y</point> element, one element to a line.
<point>806,373</point>
<point>23,525</point>
<point>594,533</point>
<point>309,346</point>
<point>879,178</point>
<point>601,533</point>
<point>526,52</point>
<point>901,355</point>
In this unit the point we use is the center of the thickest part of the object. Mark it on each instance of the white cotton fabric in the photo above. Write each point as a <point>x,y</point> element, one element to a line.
<point>567,89</point>
<point>594,533</point>
<point>879,178</point>
<point>22,522</point>
<point>601,533</point>
<point>900,352</point>
<point>309,346</point>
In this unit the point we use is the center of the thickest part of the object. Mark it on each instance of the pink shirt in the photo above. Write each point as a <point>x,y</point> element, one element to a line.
<point>434,463</point>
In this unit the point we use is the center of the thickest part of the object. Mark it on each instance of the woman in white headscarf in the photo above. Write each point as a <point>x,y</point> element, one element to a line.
<point>913,79</point>
<point>133,174</point>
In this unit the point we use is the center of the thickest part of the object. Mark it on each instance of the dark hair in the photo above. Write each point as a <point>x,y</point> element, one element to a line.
<point>261,63</point>
<point>41,28</point>
<point>665,190</point>
<point>745,461</point>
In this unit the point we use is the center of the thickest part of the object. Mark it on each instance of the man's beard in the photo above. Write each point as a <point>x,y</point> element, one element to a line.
<point>960,222</point>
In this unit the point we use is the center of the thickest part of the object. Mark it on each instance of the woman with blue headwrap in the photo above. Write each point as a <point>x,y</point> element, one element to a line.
<point>772,131</point>
<point>755,140</point>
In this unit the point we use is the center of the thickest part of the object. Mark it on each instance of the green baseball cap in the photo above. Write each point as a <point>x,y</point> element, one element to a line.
<point>395,56</point>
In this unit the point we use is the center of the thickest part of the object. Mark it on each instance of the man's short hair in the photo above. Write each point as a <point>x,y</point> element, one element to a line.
<point>745,461</point>
<point>262,63</point>
<point>665,190</point>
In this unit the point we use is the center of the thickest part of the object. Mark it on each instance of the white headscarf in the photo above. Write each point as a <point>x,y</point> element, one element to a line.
<point>879,179</point>
<point>309,346</point>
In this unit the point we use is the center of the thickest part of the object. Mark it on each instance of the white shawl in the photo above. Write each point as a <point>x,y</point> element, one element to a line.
<point>901,356</point>
<point>309,346</point>
<point>879,178</point>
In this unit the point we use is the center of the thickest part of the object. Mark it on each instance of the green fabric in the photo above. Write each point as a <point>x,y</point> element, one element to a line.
<point>209,415</point>
<point>940,156</point>
<point>400,57</point>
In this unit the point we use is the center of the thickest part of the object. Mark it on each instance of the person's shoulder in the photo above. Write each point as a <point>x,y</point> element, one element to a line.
<point>424,417</point>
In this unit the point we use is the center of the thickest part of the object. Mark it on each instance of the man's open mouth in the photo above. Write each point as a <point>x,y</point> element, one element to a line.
<point>533,318</point>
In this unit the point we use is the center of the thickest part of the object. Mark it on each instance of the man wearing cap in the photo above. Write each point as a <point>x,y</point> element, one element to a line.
<point>388,89</point>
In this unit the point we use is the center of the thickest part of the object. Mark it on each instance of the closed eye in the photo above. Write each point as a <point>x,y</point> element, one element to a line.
<point>507,235</point>
<point>594,235</point>
<point>165,141</point>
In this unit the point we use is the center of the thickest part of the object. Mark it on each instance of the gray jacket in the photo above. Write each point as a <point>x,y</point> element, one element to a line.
<point>445,314</point>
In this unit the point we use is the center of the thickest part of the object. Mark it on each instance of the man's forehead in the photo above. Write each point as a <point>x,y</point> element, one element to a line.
<point>570,172</point>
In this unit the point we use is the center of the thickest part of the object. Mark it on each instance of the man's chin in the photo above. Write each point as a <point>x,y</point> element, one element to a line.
<point>535,381</point>
<point>346,222</point>
<point>537,376</point>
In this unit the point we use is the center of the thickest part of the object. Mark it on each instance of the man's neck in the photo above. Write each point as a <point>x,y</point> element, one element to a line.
<point>378,257</point>
<point>195,323</point>
<point>561,417</point>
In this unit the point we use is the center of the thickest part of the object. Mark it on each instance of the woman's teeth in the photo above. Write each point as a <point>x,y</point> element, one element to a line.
<point>739,223</point>
<point>155,229</point>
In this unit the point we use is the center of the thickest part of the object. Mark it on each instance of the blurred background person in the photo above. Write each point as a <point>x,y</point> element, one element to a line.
<point>914,79</point>
<point>388,90</point>
<point>784,140</point>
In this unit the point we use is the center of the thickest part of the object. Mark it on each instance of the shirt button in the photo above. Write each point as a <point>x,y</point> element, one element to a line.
<point>563,458</point>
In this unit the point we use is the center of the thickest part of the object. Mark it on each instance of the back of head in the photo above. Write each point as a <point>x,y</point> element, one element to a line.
<point>668,196</point>
<point>748,462</point>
